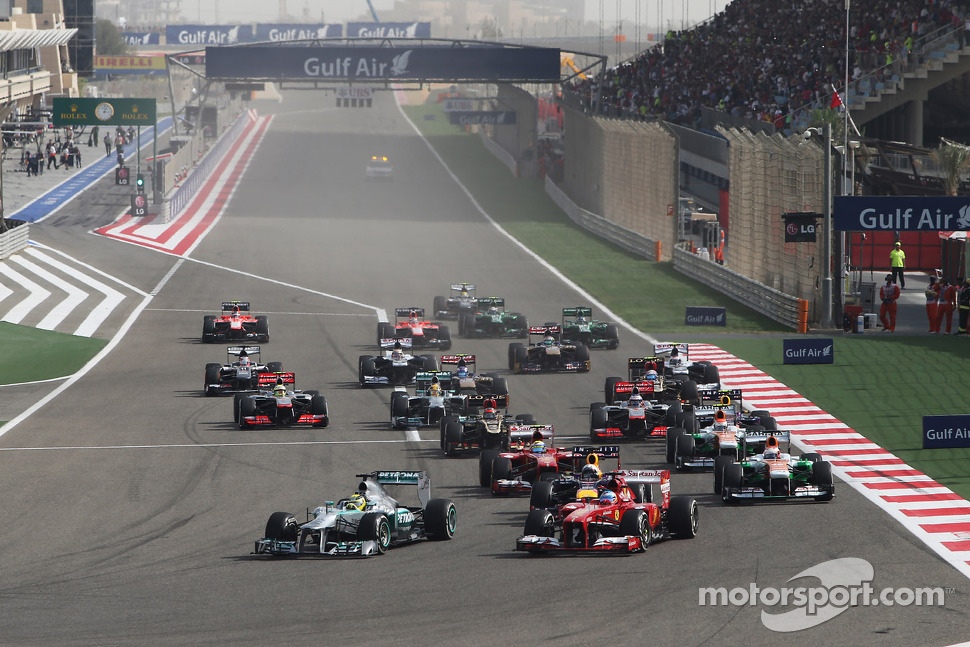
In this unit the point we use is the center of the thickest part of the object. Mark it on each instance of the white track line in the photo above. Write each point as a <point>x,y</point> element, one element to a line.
<point>75,296</point>
<point>36,297</point>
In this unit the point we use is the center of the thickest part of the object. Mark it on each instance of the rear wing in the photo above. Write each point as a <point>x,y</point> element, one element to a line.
<point>458,287</point>
<point>388,342</point>
<point>271,379</point>
<point>403,477</point>
<point>234,351</point>
<point>424,379</point>
<point>722,397</point>
<point>230,306</point>
<point>454,360</point>
<point>758,437</point>
<point>405,313</point>
<point>638,366</point>
<point>491,302</point>
<point>642,387</point>
<point>664,348</point>
<point>651,477</point>
<point>548,329</point>
<point>501,401</point>
<point>522,435</point>
<point>579,311</point>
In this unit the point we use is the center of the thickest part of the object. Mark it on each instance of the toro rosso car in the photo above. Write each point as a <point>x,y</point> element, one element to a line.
<point>530,457</point>
<point>395,364</point>
<point>774,475</point>
<point>461,301</point>
<point>235,324</point>
<point>547,353</point>
<point>579,327</point>
<point>410,323</point>
<point>240,373</point>
<point>611,520</point>
<point>367,523</point>
<point>492,320</point>
<point>277,404</point>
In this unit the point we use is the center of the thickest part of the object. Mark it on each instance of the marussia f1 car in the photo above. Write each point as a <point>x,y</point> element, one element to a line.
<point>367,523</point>
<point>240,373</point>
<point>611,520</point>
<point>394,365</point>
<point>579,327</point>
<point>461,301</point>
<point>491,319</point>
<point>464,379</point>
<point>774,475</point>
<point>547,353</point>
<point>410,322</point>
<point>275,405</point>
<point>235,324</point>
<point>530,457</point>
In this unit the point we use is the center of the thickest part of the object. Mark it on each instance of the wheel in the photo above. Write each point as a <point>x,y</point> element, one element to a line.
<point>440,519</point>
<point>274,367</point>
<point>640,493</point>
<point>770,424</point>
<point>399,405</point>
<point>596,405</point>
<point>444,338</point>
<point>208,329</point>
<point>235,405</point>
<point>442,424</point>
<point>430,362</point>
<point>522,324</point>
<point>582,355</point>
<point>485,466</point>
<point>374,527</point>
<point>815,457</point>
<point>318,407</point>
<point>712,375</point>
<point>674,410</point>
<point>501,468</point>
<point>688,393</point>
<point>262,328</point>
<point>636,523</point>
<point>312,392</point>
<point>613,335</point>
<point>211,377</point>
<point>688,421</point>
<point>466,324</point>
<point>281,526</point>
<point>440,305</point>
<point>684,451</point>
<point>598,419</point>
<point>540,523</point>
<point>247,407</point>
<point>525,419</point>
<point>732,478</point>
<point>683,517</point>
<point>542,497</point>
<point>453,434</point>
<point>500,386</point>
<point>514,349</point>
<point>720,462</point>
<point>761,414</point>
<point>609,390</point>
<point>822,477</point>
<point>672,435</point>
<point>366,366</point>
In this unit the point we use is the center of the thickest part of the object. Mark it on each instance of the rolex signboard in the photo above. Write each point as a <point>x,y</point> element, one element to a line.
<point>103,112</point>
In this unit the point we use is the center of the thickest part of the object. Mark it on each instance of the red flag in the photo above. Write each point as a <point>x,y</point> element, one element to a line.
<point>836,101</point>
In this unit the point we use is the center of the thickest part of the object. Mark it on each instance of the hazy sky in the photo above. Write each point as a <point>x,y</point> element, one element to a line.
<point>672,12</point>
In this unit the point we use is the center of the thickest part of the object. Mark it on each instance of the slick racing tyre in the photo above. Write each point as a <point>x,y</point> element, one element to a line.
<point>440,519</point>
<point>374,527</point>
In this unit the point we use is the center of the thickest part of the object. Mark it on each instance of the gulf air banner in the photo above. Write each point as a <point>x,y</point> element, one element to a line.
<point>129,64</point>
<point>388,30</point>
<point>136,38</point>
<point>208,34</point>
<point>298,31</point>
<point>901,213</point>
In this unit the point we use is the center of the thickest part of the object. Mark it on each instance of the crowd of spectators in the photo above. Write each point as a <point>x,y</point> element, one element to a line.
<point>766,59</point>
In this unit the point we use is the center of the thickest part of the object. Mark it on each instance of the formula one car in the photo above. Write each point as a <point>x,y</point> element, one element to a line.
<point>464,379</point>
<point>235,324</point>
<point>636,417</point>
<point>459,302</point>
<point>410,323</point>
<point>240,373</point>
<point>485,424</point>
<point>683,376</point>
<point>430,403</point>
<point>368,522</point>
<point>530,458</point>
<point>277,404</point>
<point>379,168</point>
<point>394,365</point>
<point>612,521</point>
<point>774,475</point>
<point>579,327</point>
<point>492,320</point>
<point>547,353</point>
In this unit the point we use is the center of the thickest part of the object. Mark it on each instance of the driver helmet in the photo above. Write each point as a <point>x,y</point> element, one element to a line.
<point>674,352</point>
<point>413,318</point>
<point>720,420</point>
<point>243,358</point>
<point>549,340</point>
<point>580,319</point>
<point>493,310</point>
<point>464,293</point>
<point>279,391</point>
<point>355,502</point>
<point>590,472</point>
<point>235,312</point>
<point>434,389</point>
<point>608,497</point>
<point>489,414</point>
<point>650,376</point>
<point>397,352</point>
<point>462,368</point>
<point>636,400</point>
<point>538,447</point>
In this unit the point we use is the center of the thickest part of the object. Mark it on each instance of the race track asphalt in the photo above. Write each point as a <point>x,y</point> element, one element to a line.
<point>132,502</point>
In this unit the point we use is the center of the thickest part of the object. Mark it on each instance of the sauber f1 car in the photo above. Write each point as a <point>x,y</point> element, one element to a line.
<point>579,327</point>
<point>461,301</point>
<point>612,520</point>
<point>491,319</point>
<point>530,458</point>
<point>276,404</point>
<point>240,373</point>
<point>369,522</point>
<point>235,324</point>
<point>774,475</point>
<point>410,323</point>
<point>395,365</point>
<point>547,353</point>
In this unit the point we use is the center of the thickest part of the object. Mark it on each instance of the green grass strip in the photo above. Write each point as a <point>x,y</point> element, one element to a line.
<point>31,354</point>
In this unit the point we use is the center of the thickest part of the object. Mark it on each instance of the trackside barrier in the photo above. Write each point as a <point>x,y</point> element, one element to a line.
<point>503,155</point>
<point>629,240</point>
<point>190,186</point>
<point>13,240</point>
<point>770,302</point>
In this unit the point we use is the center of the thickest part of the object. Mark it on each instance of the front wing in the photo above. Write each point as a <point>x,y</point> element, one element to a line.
<point>538,545</point>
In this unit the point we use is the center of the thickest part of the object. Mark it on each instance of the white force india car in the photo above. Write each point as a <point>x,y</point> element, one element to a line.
<point>364,524</point>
